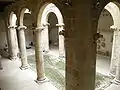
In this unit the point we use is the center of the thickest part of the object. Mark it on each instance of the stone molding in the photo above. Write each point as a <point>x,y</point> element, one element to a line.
<point>38,28</point>
<point>12,27</point>
<point>22,28</point>
<point>62,32</point>
<point>114,28</point>
<point>60,24</point>
<point>46,24</point>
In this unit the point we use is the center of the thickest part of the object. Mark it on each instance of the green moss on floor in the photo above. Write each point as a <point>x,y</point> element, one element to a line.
<point>55,72</point>
<point>54,69</point>
<point>102,81</point>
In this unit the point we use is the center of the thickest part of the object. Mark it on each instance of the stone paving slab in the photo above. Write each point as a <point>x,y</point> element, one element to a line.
<point>13,78</point>
<point>113,87</point>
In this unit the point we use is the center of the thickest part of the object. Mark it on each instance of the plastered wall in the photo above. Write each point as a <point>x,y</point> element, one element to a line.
<point>104,45</point>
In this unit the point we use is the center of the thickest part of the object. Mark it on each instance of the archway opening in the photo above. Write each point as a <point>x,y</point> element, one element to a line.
<point>27,20</point>
<point>51,20</point>
<point>108,20</point>
<point>53,33</point>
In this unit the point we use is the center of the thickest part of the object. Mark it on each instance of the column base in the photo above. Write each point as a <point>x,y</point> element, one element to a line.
<point>115,81</point>
<point>62,56</point>
<point>45,51</point>
<point>13,58</point>
<point>112,75</point>
<point>24,67</point>
<point>41,81</point>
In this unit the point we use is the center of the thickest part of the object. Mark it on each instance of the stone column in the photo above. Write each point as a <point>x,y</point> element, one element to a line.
<point>39,56</point>
<point>117,76</point>
<point>113,55</point>
<point>45,38</point>
<point>13,42</point>
<point>61,40</point>
<point>23,53</point>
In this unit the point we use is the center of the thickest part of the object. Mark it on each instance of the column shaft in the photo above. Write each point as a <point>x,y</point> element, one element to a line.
<point>113,56</point>
<point>13,43</point>
<point>39,56</point>
<point>22,46</point>
<point>45,39</point>
<point>117,76</point>
<point>61,40</point>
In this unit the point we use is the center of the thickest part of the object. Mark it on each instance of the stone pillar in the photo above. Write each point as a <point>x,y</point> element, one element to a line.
<point>61,40</point>
<point>113,55</point>
<point>117,76</point>
<point>39,56</point>
<point>45,38</point>
<point>23,53</point>
<point>13,42</point>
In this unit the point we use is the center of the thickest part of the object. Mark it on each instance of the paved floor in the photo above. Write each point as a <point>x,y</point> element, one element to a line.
<point>103,64</point>
<point>113,87</point>
<point>12,78</point>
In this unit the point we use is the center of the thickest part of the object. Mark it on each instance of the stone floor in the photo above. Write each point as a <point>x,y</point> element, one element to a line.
<point>11,74</point>
<point>103,64</point>
<point>113,87</point>
<point>54,69</point>
<point>12,78</point>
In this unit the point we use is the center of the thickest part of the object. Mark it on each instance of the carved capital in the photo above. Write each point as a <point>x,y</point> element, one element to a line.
<point>62,32</point>
<point>12,27</point>
<point>46,24</point>
<point>114,28</point>
<point>60,24</point>
<point>22,28</point>
<point>38,28</point>
<point>97,36</point>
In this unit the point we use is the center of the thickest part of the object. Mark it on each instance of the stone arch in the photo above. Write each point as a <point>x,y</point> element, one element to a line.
<point>29,33</point>
<point>45,10</point>
<point>114,9</point>
<point>42,21</point>
<point>21,15</point>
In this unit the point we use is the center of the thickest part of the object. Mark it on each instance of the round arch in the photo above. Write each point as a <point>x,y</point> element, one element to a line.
<point>44,12</point>
<point>21,15</point>
<point>42,21</point>
<point>114,9</point>
<point>115,12</point>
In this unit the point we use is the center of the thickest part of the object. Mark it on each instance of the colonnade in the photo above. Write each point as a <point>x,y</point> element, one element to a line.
<point>22,48</point>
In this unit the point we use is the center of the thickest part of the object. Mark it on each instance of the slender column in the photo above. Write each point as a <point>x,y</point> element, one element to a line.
<point>114,53</point>
<point>13,42</point>
<point>39,56</point>
<point>45,38</point>
<point>22,46</point>
<point>61,40</point>
<point>117,76</point>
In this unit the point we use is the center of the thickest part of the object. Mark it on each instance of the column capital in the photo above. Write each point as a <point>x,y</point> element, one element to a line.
<point>12,27</point>
<point>38,28</point>
<point>22,27</point>
<point>62,32</point>
<point>46,24</point>
<point>60,24</point>
<point>114,28</point>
